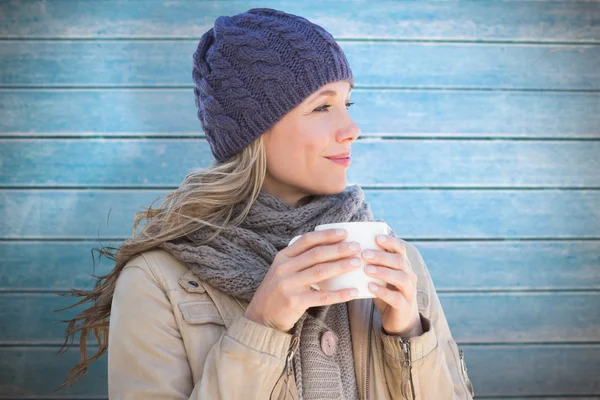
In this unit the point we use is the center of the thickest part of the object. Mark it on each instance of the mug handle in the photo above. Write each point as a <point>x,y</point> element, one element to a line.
<point>314,286</point>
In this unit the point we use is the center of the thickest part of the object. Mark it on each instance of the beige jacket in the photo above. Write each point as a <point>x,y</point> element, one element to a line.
<point>168,340</point>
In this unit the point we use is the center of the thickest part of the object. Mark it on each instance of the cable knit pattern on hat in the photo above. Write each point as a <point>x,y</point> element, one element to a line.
<point>251,69</point>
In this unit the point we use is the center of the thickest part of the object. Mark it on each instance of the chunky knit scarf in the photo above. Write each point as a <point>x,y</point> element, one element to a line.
<point>238,259</point>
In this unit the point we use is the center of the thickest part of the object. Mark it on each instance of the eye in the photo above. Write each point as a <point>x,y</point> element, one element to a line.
<point>324,107</point>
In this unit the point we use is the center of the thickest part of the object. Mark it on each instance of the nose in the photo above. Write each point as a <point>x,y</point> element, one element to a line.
<point>349,132</point>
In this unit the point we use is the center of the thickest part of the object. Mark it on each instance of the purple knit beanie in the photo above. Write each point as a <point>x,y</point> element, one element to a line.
<point>252,68</point>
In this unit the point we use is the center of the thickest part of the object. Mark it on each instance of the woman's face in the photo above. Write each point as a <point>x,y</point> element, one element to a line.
<point>302,146</point>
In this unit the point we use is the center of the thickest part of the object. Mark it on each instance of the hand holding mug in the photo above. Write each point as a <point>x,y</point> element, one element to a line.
<point>285,293</point>
<point>397,298</point>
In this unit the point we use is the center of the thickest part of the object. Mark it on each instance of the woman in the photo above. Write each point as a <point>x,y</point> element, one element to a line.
<point>208,302</point>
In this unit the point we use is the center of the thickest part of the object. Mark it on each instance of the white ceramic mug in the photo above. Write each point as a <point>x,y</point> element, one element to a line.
<point>364,234</point>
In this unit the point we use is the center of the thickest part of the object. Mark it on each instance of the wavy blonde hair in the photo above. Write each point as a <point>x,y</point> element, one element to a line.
<point>206,198</point>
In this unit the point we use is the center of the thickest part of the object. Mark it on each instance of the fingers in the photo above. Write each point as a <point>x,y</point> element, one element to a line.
<point>398,279</point>
<point>315,238</point>
<point>402,285</point>
<point>390,260</point>
<point>392,255</point>
<point>394,298</point>
<point>392,244</point>
<point>390,265</point>
<point>321,254</point>
<point>328,297</point>
<point>323,271</point>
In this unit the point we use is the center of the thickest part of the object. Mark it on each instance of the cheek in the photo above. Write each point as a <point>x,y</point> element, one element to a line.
<point>304,149</point>
<point>315,144</point>
<point>294,151</point>
<point>284,158</point>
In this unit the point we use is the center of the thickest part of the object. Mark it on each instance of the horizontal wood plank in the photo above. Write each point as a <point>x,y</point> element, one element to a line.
<point>417,113</point>
<point>473,317</point>
<point>397,163</point>
<point>572,21</point>
<point>454,266</point>
<point>413,214</point>
<point>512,265</point>
<point>536,397</point>
<point>383,64</point>
<point>25,265</point>
<point>507,370</point>
<point>539,370</point>
<point>37,372</point>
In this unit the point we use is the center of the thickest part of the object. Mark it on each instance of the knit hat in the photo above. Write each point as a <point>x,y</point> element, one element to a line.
<point>252,68</point>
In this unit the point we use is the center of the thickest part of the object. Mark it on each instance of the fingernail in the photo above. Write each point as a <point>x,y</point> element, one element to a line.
<point>355,262</point>
<point>381,238</point>
<point>340,232</point>
<point>354,246</point>
<point>373,287</point>
<point>368,254</point>
<point>371,269</point>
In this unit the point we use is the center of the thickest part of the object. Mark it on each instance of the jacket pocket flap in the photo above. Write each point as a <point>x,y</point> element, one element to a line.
<point>191,283</point>
<point>200,312</point>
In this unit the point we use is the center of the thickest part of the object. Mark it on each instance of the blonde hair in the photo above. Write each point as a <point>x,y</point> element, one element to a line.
<point>206,198</point>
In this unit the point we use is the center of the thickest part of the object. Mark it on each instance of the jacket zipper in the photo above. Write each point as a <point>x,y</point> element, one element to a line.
<point>288,361</point>
<point>461,355</point>
<point>291,353</point>
<point>368,379</point>
<point>407,364</point>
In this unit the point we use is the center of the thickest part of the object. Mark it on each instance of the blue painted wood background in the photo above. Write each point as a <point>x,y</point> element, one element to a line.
<point>480,144</point>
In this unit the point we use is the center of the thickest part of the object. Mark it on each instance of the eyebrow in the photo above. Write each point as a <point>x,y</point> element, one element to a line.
<point>328,92</point>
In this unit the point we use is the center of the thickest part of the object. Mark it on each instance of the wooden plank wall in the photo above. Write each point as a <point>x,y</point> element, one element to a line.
<point>480,144</point>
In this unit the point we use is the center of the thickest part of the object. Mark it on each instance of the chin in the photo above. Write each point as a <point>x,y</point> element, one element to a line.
<point>332,187</point>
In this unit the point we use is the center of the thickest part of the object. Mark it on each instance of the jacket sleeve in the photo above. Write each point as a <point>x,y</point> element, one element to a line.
<point>429,366</point>
<point>147,358</point>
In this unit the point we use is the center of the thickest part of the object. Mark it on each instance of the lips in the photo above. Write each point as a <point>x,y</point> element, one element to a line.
<point>341,159</point>
<point>340,156</point>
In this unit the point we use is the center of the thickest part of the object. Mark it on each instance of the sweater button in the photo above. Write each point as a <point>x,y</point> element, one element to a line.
<point>329,343</point>
<point>193,283</point>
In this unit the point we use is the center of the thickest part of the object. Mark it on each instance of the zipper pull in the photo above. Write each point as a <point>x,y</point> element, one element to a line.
<point>406,350</point>
<point>405,344</point>
<point>288,363</point>
<point>464,371</point>
<point>292,351</point>
<point>460,356</point>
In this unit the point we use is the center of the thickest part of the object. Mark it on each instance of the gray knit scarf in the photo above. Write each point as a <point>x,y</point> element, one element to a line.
<point>238,259</point>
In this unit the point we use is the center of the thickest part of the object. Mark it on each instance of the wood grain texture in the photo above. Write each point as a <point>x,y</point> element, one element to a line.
<point>519,371</point>
<point>490,118</point>
<point>572,21</point>
<point>415,113</point>
<point>413,214</point>
<point>473,317</point>
<point>168,63</point>
<point>536,370</point>
<point>389,163</point>
<point>51,266</point>
<point>454,266</point>
<point>37,372</point>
